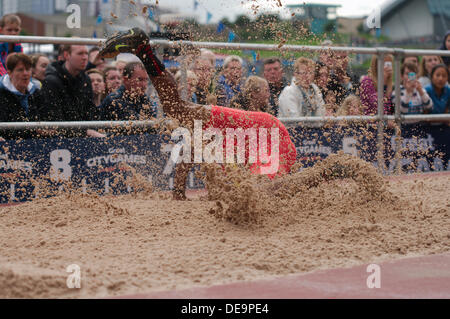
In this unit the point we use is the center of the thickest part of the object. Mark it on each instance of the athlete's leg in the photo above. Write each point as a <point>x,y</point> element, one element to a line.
<point>137,42</point>
<point>179,185</point>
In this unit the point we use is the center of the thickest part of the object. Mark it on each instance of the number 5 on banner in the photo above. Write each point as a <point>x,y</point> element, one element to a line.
<point>60,169</point>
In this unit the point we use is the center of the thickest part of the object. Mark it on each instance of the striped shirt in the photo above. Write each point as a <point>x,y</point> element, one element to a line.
<point>413,103</point>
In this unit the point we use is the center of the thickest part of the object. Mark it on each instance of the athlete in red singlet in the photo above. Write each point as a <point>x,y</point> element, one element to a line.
<point>223,118</point>
<point>137,42</point>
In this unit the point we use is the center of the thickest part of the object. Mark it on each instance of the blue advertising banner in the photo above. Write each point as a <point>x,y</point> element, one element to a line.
<point>43,167</point>
<point>29,167</point>
<point>423,148</point>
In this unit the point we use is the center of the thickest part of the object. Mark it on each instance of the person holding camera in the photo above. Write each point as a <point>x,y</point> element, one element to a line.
<point>413,98</point>
<point>369,85</point>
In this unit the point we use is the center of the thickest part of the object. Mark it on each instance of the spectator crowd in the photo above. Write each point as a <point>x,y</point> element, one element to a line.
<point>79,86</point>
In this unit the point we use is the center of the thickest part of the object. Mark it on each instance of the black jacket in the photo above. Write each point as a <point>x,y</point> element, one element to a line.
<point>275,92</point>
<point>68,98</point>
<point>446,59</point>
<point>12,109</point>
<point>117,106</point>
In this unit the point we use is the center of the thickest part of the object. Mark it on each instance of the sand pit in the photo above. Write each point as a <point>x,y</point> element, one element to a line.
<point>135,244</point>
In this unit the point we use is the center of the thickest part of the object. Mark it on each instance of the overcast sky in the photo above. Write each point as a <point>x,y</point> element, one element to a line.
<point>232,8</point>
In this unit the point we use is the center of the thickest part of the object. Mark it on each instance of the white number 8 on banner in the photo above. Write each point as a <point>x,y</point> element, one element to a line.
<point>60,169</point>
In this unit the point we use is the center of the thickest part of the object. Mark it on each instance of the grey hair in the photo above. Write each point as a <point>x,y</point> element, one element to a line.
<point>232,58</point>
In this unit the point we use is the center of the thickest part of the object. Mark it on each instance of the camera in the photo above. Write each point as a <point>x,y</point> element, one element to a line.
<point>412,76</point>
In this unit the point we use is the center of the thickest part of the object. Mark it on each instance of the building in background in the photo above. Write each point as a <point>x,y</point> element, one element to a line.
<point>8,6</point>
<point>98,17</point>
<point>48,7</point>
<point>320,17</point>
<point>349,25</point>
<point>407,20</point>
<point>36,6</point>
<point>27,6</point>
<point>55,25</point>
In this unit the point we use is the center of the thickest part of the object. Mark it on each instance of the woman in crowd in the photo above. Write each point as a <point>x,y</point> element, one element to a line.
<point>112,78</point>
<point>38,67</point>
<point>446,46</point>
<point>411,59</point>
<point>439,90</point>
<point>98,85</point>
<point>20,98</point>
<point>426,65</point>
<point>120,65</point>
<point>350,106</point>
<point>302,97</point>
<point>369,87</point>
<point>254,96</point>
<point>413,98</point>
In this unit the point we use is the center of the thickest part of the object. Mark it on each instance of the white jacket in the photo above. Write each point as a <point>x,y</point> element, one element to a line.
<point>292,103</point>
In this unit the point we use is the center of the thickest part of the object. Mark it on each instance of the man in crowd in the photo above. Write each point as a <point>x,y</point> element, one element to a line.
<point>273,73</point>
<point>61,50</point>
<point>204,70</point>
<point>340,83</point>
<point>68,89</point>
<point>231,81</point>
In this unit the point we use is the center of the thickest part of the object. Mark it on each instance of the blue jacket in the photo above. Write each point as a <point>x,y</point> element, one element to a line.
<point>225,92</point>
<point>440,103</point>
<point>4,51</point>
<point>118,107</point>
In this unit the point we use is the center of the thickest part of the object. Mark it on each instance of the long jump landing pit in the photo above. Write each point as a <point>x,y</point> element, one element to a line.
<point>152,246</point>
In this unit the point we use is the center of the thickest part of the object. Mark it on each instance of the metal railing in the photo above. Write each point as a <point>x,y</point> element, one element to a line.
<point>380,117</point>
<point>147,123</point>
<point>231,46</point>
